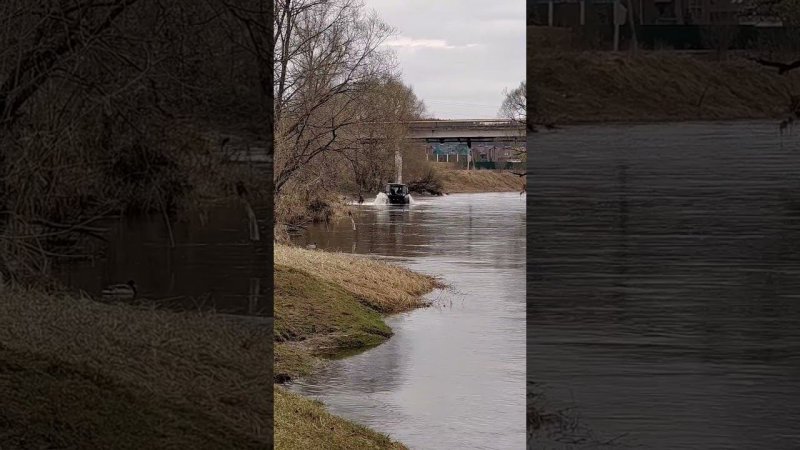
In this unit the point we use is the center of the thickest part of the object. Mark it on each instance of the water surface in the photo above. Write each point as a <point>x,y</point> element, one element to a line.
<point>664,283</point>
<point>453,374</point>
<point>212,265</point>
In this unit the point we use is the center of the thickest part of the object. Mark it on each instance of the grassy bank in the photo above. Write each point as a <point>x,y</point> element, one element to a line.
<point>302,424</point>
<point>327,304</point>
<point>572,87</point>
<point>464,181</point>
<point>75,373</point>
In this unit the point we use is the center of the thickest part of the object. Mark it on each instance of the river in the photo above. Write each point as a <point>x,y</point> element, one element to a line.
<point>453,374</point>
<point>664,284</point>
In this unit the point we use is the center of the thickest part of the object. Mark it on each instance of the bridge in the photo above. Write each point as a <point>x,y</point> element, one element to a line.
<point>492,132</point>
<point>467,131</point>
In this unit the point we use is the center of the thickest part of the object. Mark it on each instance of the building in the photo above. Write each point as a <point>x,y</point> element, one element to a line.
<point>485,156</point>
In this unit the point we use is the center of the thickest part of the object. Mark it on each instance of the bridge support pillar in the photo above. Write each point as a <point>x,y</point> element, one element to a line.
<point>469,153</point>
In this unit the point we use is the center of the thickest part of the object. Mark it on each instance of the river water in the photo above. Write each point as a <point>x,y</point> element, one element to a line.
<point>664,285</point>
<point>213,264</point>
<point>453,375</point>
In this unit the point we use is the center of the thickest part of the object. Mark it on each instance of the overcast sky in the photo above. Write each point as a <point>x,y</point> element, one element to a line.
<point>458,55</point>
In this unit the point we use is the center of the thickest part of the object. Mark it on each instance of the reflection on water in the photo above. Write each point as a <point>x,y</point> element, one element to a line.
<point>213,263</point>
<point>452,376</point>
<point>664,290</point>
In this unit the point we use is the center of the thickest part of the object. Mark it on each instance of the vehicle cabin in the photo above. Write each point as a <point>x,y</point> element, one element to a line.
<point>397,193</point>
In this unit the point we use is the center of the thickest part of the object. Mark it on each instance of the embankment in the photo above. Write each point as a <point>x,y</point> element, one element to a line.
<point>326,304</point>
<point>76,373</point>
<point>574,87</point>
<point>470,181</point>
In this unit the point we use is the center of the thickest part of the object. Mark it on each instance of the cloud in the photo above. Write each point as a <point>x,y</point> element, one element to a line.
<point>458,80</point>
<point>436,44</point>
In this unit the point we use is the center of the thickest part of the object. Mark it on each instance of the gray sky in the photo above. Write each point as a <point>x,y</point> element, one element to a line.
<point>458,55</point>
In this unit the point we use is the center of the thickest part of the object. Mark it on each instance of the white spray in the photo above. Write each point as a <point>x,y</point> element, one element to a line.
<point>398,161</point>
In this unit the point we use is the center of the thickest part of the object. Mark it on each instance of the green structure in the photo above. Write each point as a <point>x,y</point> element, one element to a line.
<point>451,148</point>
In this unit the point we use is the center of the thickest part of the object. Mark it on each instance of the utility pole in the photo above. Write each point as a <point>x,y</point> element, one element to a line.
<point>631,22</point>
<point>616,25</point>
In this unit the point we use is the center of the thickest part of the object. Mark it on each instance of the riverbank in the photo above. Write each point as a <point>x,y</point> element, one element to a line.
<point>327,304</point>
<point>476,181</point>
<point>302,423</point>
<point>77,373</point>
<point>583,87</point>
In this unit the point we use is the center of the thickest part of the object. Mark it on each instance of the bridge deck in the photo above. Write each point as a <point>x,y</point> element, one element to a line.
<point>477,130</point>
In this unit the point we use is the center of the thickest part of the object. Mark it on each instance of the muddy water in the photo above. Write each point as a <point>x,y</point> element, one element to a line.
<point>664,284</point>
<point>452,376</point>
<point>213,264</point>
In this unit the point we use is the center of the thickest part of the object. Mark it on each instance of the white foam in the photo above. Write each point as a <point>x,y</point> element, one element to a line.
<point>381,199</point>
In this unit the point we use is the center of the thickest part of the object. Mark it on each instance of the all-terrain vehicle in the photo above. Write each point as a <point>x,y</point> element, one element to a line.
<point>398,194</point>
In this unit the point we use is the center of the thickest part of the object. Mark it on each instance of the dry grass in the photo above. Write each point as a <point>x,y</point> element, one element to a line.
<point>302,424</point>
<point>550,39</point>
<point>75,373</point>
<point>384,287</point>
<point>308,307</point>
<point>315,318</point>
<point>655,86</point>
<point>454,181</point>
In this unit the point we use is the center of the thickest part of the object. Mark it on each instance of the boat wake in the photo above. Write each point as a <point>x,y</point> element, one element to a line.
<point>380,199</point>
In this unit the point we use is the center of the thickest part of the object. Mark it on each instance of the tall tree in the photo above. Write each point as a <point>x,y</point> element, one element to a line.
<point>383,111</point>
<point>326,53</point>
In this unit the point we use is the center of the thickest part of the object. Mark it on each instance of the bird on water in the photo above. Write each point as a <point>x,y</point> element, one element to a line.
<point>121,291</point>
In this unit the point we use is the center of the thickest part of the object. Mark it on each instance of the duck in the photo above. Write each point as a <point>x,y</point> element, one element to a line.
<point>312,246</point>
<point>121,291</point>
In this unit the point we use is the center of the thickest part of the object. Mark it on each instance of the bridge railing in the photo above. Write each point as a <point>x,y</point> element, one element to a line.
<point>505,123</point>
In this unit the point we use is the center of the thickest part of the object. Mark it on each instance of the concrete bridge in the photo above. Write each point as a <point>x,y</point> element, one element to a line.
<point>467,131</point>
<point>249,149</point>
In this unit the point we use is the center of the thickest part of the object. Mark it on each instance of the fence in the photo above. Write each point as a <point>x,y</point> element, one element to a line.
<point>598,32</point>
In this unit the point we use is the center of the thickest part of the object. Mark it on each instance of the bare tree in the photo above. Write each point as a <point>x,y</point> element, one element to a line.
<point>100,103</point>
<point>58,33</point>
<point>514,105</point>
<point>383,112</point>
<point>326,54</point>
